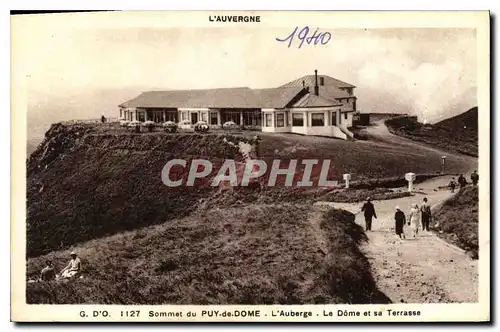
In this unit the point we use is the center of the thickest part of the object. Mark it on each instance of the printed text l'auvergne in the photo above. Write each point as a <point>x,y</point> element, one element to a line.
<point>233,18</point>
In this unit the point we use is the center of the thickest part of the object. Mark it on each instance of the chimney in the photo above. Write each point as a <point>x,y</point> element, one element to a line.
<point>316,87</point>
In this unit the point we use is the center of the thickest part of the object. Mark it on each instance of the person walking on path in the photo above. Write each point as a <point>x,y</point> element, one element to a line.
<point>73,268</point>
<point>400,219</point>
<point>462,181</point>
<point>474,178</point>
<point>369,212</point>
<point>452,185</point>
<point>414,220</point>
<point>425,209</point>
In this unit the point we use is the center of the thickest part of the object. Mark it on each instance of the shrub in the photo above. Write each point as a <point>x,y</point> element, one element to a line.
<point>170,127</point>
<point>201,126</point>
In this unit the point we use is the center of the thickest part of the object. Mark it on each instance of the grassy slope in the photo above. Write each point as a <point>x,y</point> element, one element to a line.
<point>82,186</point>
<point>458,220</point>
<point>86,182</point>
<point>247,255</point>
<point>365,161</point>
<point>459,133</point>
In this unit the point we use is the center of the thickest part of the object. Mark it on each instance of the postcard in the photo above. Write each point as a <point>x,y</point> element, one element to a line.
<point>251,166</point>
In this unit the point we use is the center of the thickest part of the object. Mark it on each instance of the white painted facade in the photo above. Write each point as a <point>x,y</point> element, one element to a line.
<point>318,121</point>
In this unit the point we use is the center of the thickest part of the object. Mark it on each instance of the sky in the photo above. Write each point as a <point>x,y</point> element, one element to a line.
<point>429,72</point>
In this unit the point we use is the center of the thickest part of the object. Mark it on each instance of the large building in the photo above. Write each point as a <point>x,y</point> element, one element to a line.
<point>311,105</point>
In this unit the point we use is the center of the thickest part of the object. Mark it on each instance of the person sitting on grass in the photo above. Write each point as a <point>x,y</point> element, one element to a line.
<point>73,268</point>
<point>48,273</point>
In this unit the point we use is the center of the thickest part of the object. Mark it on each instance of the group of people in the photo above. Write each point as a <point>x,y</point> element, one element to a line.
<point>418,217</point>
<point>71,270</point>
<point>462,182</point>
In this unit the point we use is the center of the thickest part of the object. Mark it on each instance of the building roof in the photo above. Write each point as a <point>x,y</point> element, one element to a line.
<point>309,80</point>
<point>215,98</point>
<point>331,92</point>
<point>311,100</point>
<point>275,97</point>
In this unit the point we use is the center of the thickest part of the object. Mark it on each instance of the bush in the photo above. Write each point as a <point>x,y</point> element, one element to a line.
<point>150,125</point>
<point>170,127</point>
<point>201,126</point>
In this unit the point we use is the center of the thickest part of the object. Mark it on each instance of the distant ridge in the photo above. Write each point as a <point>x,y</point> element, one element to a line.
<point>458,133</point>
<point>461,121</point>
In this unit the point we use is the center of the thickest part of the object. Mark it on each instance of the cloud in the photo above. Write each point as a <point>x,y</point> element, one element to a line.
<point>427,72</point>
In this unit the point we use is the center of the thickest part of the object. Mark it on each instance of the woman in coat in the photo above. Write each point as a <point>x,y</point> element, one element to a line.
<point>400,219</point>
<point>414,219</point>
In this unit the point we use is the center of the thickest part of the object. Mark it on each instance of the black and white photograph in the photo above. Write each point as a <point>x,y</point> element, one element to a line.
<point>251,166</point>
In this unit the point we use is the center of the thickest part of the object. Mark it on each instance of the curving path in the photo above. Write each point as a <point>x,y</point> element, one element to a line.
<point>421,270</point>
<point>381,135</point>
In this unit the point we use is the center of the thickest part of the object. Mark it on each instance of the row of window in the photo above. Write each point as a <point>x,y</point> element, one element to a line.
<point>203,117</point>
<point>317,119</point>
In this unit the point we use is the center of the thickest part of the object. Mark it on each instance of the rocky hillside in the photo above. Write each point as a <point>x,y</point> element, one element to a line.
<point>98,191</point>
<point>459,133</point>
<point>84,184</point>
<point>87,181</point>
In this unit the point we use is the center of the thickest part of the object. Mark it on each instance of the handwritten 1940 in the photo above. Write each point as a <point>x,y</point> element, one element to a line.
<point>303,36</point>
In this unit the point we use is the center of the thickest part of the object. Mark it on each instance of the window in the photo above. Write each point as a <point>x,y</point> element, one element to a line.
<point>141,116</point>
<point>204,116</point>
<point>280,120</point>
<point>269,119</point>
<point>317,119</point>
<point>298,119</point>
<point>334,118</point>
<point>184,116</point>
<point>345,116</point>
<point>213,118</point>
<point>321,81</point>
<point>171,116</point>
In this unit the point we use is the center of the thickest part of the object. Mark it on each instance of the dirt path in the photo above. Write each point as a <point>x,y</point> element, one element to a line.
<point>421,270</point>
<point>381,134</point>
